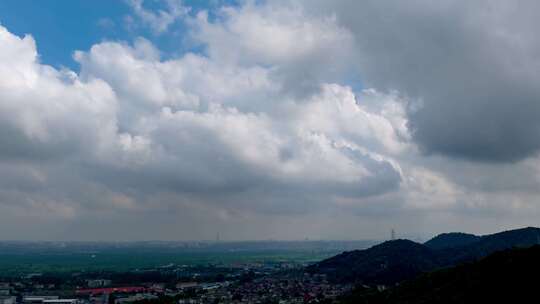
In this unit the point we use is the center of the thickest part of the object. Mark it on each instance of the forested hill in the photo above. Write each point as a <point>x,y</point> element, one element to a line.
<point>503,277</point>
<point>451,240</point>
<point>390,261</point>
<point>394,261</point>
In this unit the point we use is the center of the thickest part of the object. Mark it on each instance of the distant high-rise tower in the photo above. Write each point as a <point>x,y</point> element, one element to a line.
<point>392,234</point>
<point>217,237</point>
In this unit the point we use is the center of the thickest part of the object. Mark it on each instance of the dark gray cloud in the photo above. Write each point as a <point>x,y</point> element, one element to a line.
<point>472,65</point>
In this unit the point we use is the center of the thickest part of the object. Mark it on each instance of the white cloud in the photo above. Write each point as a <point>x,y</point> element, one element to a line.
<point>195,123</point>
<point>270,35</point>
<point>159,21</point>
<point>302,50</point>
<point>259,126</point>
<point>43,109</point>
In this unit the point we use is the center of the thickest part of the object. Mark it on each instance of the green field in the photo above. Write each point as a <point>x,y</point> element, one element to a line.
<point>19,257</point>
<point>11,264</point>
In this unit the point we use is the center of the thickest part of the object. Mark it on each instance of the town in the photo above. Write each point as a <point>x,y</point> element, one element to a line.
<point>182,284</point>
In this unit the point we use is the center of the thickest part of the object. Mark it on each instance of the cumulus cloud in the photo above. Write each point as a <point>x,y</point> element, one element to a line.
<point>132,126</point>
<point>45,112</point>
<point>303,51</point>
<point>268,124</point>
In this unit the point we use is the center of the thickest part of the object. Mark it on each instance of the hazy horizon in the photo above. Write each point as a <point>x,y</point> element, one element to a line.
<point>416,238</point>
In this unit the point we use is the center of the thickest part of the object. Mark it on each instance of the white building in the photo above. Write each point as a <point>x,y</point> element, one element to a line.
<point>8,300</point>
<point>47,300</point>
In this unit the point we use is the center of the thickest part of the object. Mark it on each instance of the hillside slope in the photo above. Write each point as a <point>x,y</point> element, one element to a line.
<point>394,261</point>
<point>389,262</point>
<point>489,244</point>
<point>503,277</point>
<point>451,240</point>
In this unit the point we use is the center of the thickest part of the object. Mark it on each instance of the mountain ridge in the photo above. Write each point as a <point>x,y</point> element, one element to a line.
<point>395,261</point>
<point>451,240</point>
<point>503,276</point>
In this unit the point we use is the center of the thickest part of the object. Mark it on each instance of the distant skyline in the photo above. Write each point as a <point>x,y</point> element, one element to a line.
<point>255,120</point>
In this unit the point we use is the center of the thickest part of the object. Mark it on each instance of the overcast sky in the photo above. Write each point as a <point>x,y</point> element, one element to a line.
<point>170,120</point>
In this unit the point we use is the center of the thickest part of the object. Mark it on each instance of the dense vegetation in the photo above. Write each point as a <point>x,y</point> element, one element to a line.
<point>451,240</point>
<point>394,261</point>
<point>17,264</point>
<point>506,276</point>
<point>19,258</point>
<point>391,261</point>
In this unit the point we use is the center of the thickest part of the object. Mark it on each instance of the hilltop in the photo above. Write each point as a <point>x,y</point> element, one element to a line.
<point>451,240</point>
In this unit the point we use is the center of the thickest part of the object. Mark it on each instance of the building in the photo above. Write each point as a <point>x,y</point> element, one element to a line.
<point>109,290</point>
<point>61,301</point>
<point>37,299</point>
<point>98,283</point>
<point>47,300</point>
<point>186,285</point>
<point>135,298</point>
<point>7,300</point>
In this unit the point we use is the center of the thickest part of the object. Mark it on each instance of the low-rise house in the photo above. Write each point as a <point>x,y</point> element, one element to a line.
<point>8,300</point>
<point>187,285</point>
<point>135,298</point>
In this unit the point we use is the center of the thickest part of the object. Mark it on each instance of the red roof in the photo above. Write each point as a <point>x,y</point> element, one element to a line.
<point>129,289</point>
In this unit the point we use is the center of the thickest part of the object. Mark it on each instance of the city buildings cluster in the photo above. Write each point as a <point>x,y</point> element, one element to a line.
<point>242,284</point>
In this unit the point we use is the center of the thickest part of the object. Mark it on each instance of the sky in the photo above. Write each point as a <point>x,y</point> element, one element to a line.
<point>176,120</point>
